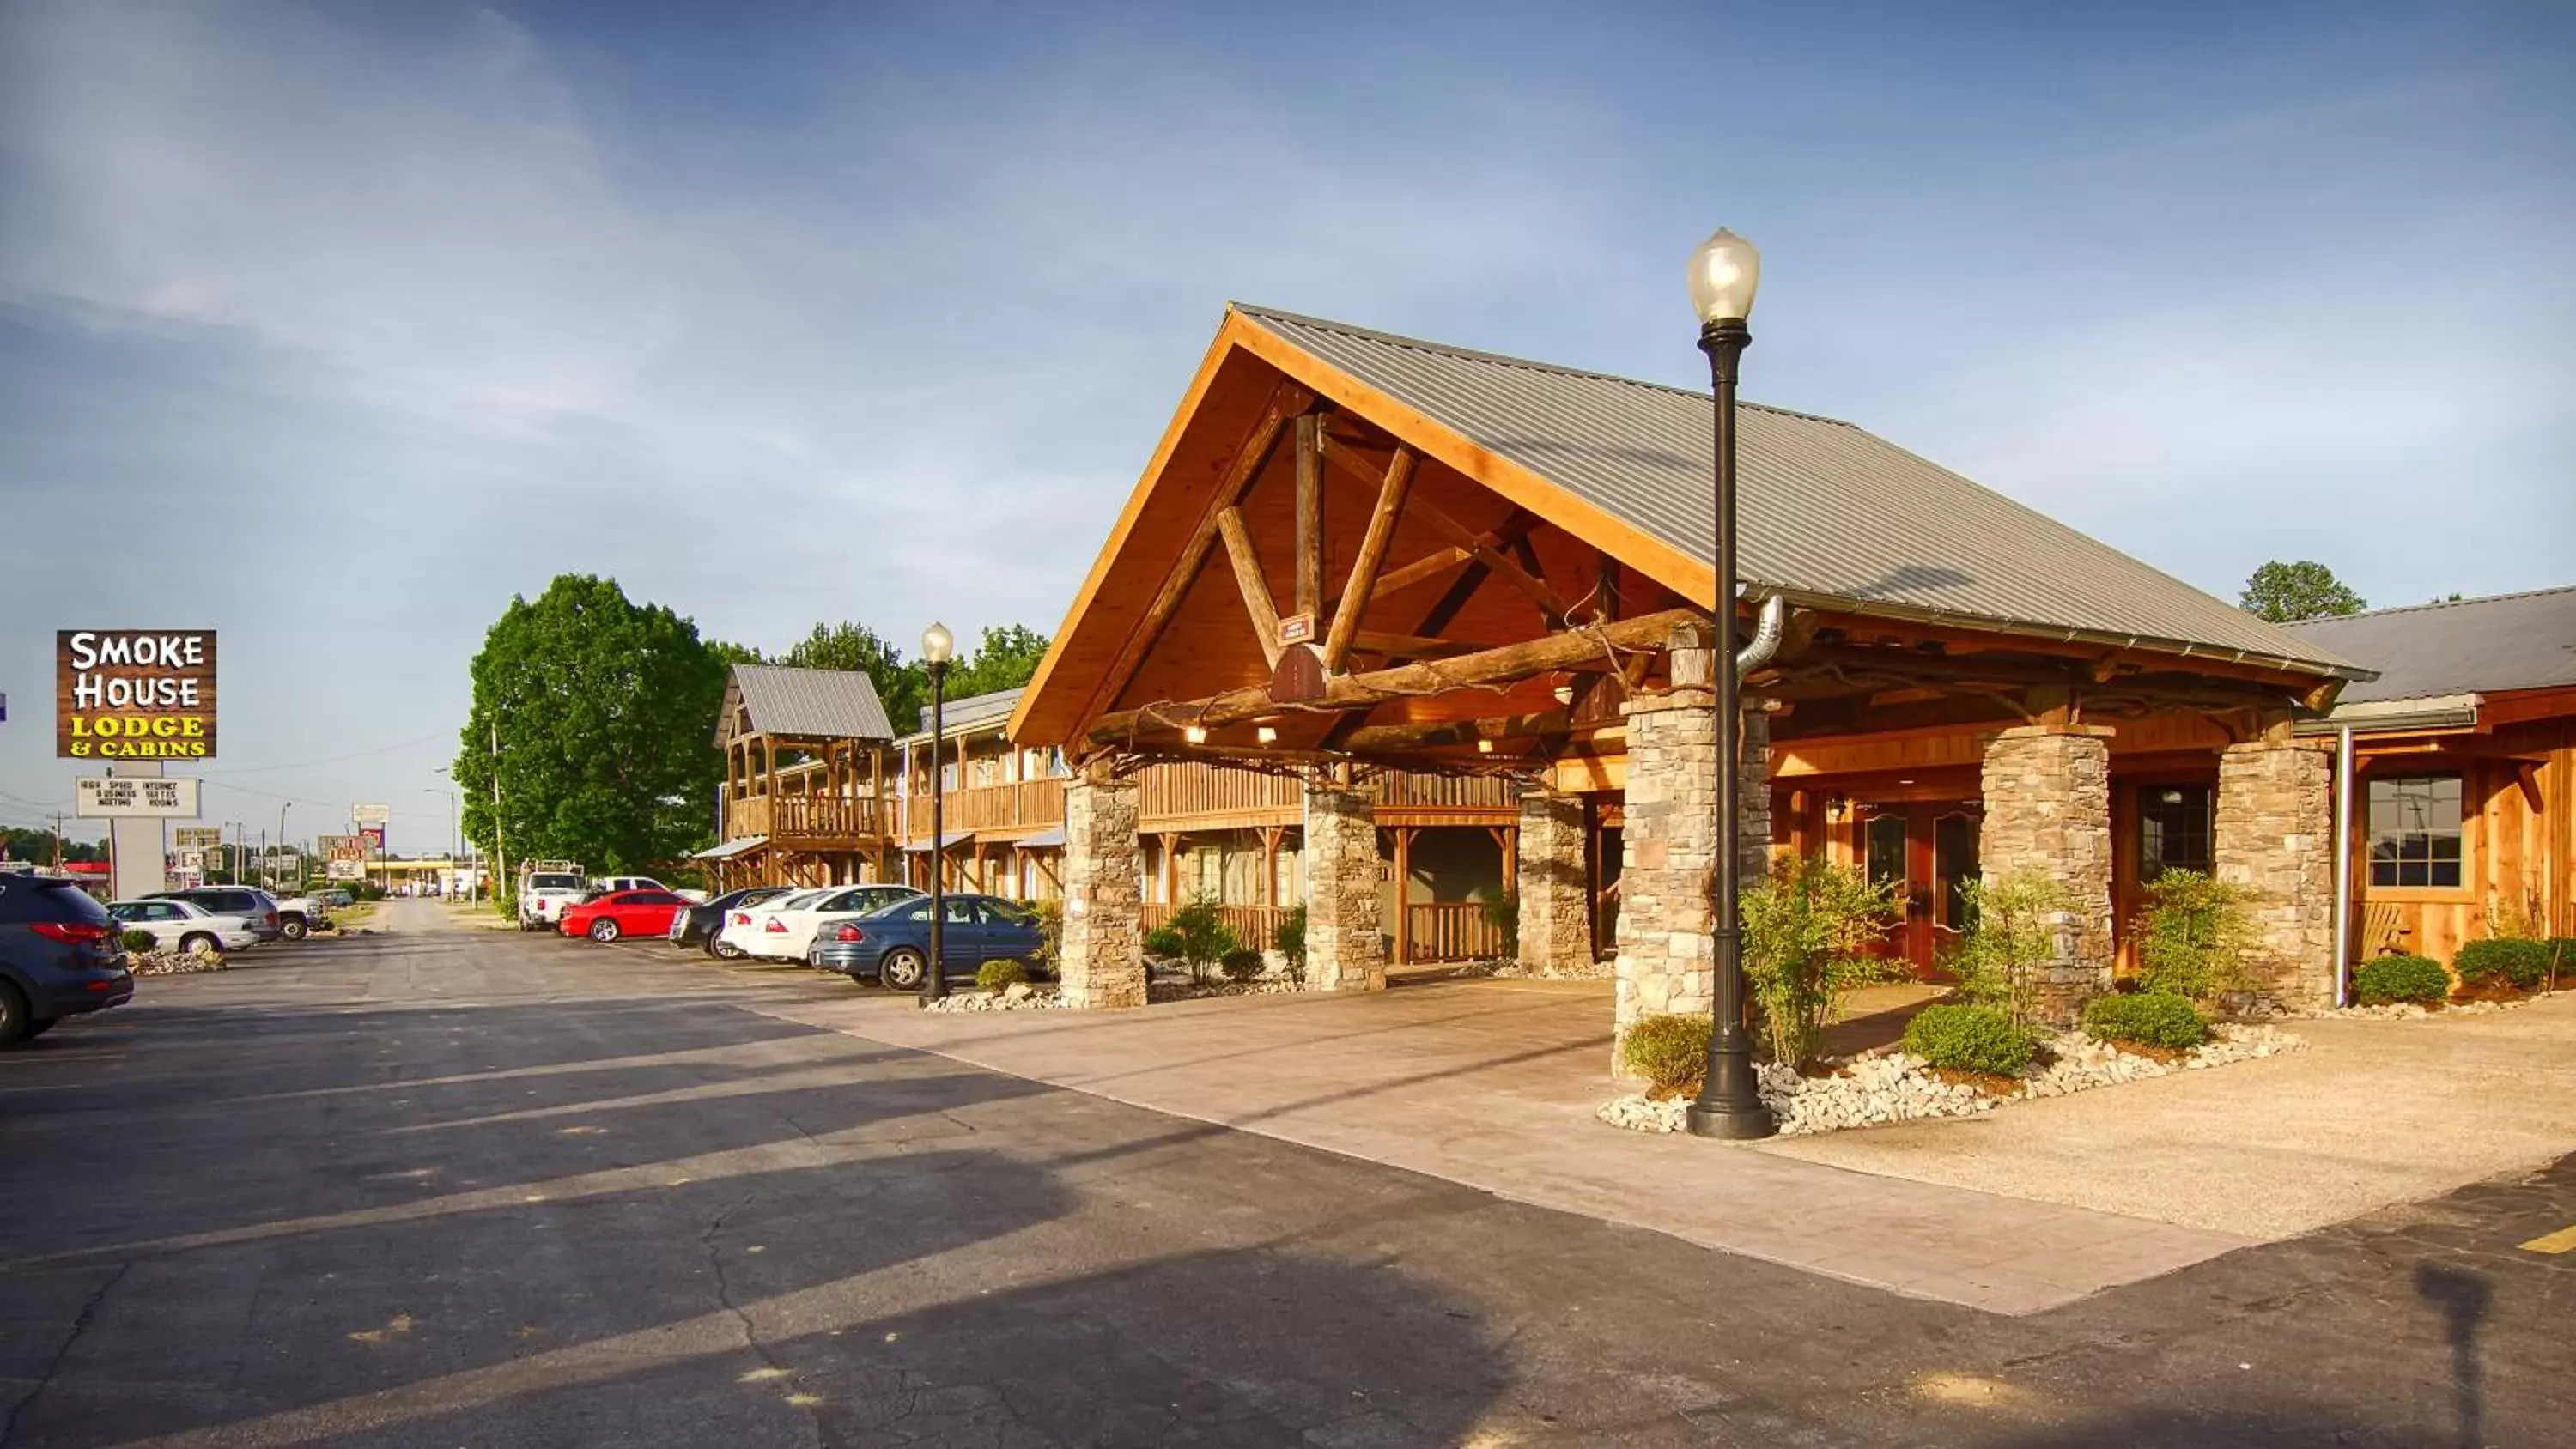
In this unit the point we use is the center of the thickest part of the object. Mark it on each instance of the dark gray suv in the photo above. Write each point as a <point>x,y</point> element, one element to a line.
<point>59,956</point>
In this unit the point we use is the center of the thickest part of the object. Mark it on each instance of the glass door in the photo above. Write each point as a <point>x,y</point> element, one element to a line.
<point>1925,852</point>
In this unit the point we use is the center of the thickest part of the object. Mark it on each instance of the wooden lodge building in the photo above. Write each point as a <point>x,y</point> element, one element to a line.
<point>1356,557</point>
<point>2464,752</point>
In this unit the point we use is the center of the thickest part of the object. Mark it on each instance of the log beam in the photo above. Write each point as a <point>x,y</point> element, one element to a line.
<point>1288,401</point>
<point>1482,670</point>
<point>1373,545</point>
<point>1397,739</point>
<point>1248,579</point>
<point>1310,514</point>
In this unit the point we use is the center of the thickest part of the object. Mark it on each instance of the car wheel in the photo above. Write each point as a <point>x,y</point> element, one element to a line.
<point>603,929</point>
<point>198,943</point>
<point>15,1025</point>
<point>293,928</point>
<point>725,950</point>
<point>901,970</point>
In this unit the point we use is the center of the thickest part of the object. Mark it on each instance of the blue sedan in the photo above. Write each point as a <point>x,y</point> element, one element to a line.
<point>892,946</point>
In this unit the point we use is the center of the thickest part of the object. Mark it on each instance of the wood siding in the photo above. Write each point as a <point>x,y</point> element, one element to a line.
<point>2518,856</point>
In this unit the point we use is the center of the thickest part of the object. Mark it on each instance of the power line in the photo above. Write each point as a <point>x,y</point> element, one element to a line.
<point>332,760</point>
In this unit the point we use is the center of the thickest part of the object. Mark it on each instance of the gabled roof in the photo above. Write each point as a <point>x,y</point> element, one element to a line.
<point>2484,646</point>
<point>1827,510</point>
<point>1833,517</point>
<point>825,704</point>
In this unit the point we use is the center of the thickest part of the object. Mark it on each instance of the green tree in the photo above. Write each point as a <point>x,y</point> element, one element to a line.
<point>1007,658</point>
<point>605,710</point>
<point>36,847</point>
<point>2288,592</point>
<point>902,687</point>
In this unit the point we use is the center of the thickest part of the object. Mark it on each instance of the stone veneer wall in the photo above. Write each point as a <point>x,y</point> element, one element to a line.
<point>1103,957</point>
<point>1345,891</point>
<point>2048,812</point>
<point>1554,891</point>
<point>1668,843</point>
<point>2275,838</point>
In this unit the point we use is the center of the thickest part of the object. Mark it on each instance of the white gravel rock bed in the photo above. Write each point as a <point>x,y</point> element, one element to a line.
<point>2411,1011</point>
<point>1018,996</point>
<point>172,963</point>
<point>1878,1088</point>
<point>1515,971</point>
<point>1161,991</point>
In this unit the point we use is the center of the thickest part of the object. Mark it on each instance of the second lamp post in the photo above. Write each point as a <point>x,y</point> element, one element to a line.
<point>937,644</point>
<point>1722,276</point>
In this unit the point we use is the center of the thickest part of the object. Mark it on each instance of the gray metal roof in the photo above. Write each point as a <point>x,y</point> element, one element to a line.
<point>972,711</point>
<point>1826,509</point>
<point>830,704</point>
<point>2486,646</point>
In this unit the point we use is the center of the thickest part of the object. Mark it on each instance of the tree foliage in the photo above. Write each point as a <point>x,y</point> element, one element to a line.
<point>1807,933</point>
<point>2288,592</point>
<point>605,710</point>
<point>1005,659</point>
<point>37,847</point>
<point>2014,921</point>
<point>2195,936</point>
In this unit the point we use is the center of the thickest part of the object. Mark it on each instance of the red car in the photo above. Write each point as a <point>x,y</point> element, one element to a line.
<point>623,913</point>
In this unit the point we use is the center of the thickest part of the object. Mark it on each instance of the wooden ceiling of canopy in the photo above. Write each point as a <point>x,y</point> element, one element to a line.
<point>1484,597</point>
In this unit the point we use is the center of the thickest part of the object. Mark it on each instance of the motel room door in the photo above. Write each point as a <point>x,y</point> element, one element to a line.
<point>1926,849</point>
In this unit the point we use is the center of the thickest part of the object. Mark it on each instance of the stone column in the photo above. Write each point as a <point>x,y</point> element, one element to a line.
<point>1668,847</point>
<point>1753,797</point>
<point>1553,890</point>
<point>1345,891</point>
<point>2048,813</point>
<point>1103,956</point>
<point>2275,838</point>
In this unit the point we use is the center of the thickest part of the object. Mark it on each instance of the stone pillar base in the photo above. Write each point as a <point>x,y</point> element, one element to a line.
<point>1345,892</point>
<point>1102,963</point>
<point>2048,813</point>
<point>1668,846</point>
<point>1553,890</point>
<point>2275,839</point>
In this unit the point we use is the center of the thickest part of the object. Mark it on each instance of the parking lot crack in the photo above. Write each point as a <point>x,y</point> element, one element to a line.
<point>80,1325</point>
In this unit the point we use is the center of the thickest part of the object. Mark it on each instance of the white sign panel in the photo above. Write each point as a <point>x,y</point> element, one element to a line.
<point>170,798</point>
<point>347,870</point>
<point>370,814</point>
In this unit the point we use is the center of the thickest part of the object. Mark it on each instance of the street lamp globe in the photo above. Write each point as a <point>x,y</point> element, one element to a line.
<point>1723,273</point>
<point>937,644</point>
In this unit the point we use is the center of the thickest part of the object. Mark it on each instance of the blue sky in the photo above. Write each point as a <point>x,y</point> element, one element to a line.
<point>332,325</point>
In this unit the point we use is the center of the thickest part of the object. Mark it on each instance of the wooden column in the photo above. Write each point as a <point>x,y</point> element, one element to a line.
<point>1310,514</point>
<point>1403,893</point>
<point>1270,835</point>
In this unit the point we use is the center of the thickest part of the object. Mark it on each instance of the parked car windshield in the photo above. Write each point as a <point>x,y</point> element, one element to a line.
<point>554,882</point>
<point>47,898</point>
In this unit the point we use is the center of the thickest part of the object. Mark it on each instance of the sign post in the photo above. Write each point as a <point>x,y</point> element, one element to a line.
<point>134,698</point>
<point>371,821</point>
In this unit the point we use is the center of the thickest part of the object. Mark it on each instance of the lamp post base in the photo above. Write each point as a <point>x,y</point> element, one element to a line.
<point>1731,1124</point>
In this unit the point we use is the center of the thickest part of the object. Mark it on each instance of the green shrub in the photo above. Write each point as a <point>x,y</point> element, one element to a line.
<point>1204,937</point>
<point>1164,942</point>
<point>1968,1038</point>
<point>2194,936</point>
<point>2562,959</point>
<point>1289,940</point>
<point>2400,978</point>
<point>1670,1052</point>
<point>2147,1018</point>
<point>2523,964</point>
<point>2014,924</point>
<point>1241,964</point>
<point>139,941</point>
<point>1806,929</point>
<point>1050,915</point>
<point>994,975</point>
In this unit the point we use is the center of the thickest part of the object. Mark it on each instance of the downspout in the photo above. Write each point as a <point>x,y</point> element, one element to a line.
<point>1767,632</point>
<point>2343,864</point>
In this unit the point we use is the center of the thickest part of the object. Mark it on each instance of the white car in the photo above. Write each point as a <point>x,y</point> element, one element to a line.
<point>788,934</point>
<point>743,929</point>
<point>184,926</point>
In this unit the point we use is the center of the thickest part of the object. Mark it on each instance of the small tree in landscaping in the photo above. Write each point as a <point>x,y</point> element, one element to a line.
<point>1050,916</point>
<point>2011,935</point>
<point>1289,940</point>
<point>1806,931</point>
<point>2194,937</point>
<point>140,943</point>
<point>1503,913</point>
<point>1201,935</point>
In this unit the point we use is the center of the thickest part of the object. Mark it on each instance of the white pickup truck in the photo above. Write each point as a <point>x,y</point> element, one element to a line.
<point>544,895</point>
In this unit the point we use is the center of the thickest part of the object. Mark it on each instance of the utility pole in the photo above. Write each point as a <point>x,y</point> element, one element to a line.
<point>58,841</point>
<point>500,849</point>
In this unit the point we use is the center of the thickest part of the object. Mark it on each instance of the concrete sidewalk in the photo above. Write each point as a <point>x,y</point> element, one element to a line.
<point>1492,1084</point>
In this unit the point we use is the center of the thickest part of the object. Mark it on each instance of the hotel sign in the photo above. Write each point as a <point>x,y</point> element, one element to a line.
<point>171,798</point>
<point>134,694</point>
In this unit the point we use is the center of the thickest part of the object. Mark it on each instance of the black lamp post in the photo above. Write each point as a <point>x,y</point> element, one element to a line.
<point>1723,273</point>
<point>937,644</point>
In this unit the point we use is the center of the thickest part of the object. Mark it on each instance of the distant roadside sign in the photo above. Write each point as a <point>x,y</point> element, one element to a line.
<point>341,847</point>
<point>134,694</point>
<point>345,870</point>
<point>169,798</point>
<point>374,836</point>
<point>370,814</point>
<point>196,837</point>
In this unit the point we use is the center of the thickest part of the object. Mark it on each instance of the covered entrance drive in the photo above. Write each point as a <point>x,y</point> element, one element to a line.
<point>1356,554</point>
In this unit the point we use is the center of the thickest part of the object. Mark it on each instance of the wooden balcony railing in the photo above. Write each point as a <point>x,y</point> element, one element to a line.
<point>1168,792</point>
<point>1255,926</point>
<point>1450,931</point>
<point>790,817</point>
<point>1447,792</point>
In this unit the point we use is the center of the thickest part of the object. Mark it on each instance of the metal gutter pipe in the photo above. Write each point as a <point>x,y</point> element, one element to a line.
<point>1768,630</point>
<point>2343,865</point>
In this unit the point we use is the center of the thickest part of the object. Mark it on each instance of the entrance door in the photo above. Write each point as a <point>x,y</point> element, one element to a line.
<point>1926,850</point>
